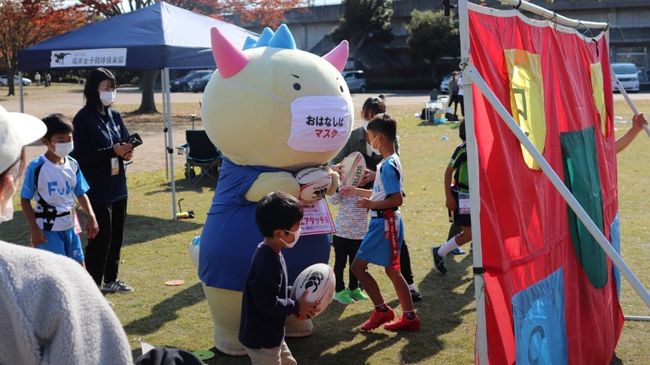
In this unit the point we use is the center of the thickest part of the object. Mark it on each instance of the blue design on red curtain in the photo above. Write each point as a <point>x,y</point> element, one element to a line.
<point>615,239</point>
<point>540,328</point>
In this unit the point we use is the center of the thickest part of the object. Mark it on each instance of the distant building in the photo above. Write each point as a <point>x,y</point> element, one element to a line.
<point>629,32</point>
<point>311,28</point>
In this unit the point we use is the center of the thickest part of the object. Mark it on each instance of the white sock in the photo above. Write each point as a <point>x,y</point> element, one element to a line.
<point>447,247</point>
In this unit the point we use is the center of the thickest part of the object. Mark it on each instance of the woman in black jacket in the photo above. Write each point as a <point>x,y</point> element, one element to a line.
<point>98,135</point>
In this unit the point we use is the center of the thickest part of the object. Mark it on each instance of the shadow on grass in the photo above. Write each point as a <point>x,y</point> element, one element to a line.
<point>166,311</point>
<point>441,310</point>
<point>183,185</point>
<point>137,228</point>
<point>337,340</point>
<point>141,229</point>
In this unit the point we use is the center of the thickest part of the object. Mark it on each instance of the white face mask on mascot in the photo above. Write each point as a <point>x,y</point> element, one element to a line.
<point>298,111</point>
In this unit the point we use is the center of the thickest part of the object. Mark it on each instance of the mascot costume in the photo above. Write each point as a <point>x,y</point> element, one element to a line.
<point>271,110</point>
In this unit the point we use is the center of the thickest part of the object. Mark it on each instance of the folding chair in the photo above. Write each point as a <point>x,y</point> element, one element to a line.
<point>200,152</point>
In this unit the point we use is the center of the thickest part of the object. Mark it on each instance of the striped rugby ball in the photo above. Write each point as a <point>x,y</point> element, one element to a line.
<point>353,168</point>
<point>314,183</point>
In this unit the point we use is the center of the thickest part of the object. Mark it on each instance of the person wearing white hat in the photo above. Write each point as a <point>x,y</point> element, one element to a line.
<point>51,311</point>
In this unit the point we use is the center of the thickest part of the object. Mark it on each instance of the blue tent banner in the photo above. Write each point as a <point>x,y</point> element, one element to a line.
<point>106,57</point>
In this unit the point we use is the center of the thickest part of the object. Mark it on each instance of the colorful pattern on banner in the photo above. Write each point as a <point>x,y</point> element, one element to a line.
<point>550,289</point>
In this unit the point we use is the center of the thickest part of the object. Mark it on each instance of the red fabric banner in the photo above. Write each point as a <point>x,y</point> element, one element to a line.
<point>557,85</point>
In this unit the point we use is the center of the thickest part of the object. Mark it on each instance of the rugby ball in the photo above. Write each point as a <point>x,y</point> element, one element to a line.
<point>193,250</point>
<point>353,168</point>
<point>314,183</point>
<point>319,282</point>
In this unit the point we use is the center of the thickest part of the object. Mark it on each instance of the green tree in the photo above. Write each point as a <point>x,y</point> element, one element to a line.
<point>364,20</point>
<point>432,36</point>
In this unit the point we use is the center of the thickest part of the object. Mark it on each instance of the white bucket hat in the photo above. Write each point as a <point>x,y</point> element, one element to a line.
<point>16,131</point>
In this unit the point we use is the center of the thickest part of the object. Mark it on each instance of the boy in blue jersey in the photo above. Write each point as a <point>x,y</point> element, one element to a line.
<point>381,245</point>
<point>54,180</point>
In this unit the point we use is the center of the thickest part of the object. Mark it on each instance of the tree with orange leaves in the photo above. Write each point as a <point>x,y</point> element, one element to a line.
<point>23,23</point>
<point>263,12</point>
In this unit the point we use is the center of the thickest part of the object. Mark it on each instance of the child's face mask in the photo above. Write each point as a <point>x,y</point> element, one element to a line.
<point>372,145</point>
<point>296,237</point>
<point>63,149</point>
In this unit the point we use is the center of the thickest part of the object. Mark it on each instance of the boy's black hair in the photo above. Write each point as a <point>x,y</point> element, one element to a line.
<point>91,89</point>
<point>277,211</point>
<point>57,124</point>
<point>384,124</point>
<point>372,107</point>
<point>461,130</point>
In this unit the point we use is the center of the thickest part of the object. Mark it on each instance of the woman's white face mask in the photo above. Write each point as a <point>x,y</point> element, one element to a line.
<point>107,97</point>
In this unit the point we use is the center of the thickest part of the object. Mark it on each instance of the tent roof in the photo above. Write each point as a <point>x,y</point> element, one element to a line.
<point>155,37</point>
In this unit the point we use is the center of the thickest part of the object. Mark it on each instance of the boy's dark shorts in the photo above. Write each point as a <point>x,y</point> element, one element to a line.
<point>463,220</point>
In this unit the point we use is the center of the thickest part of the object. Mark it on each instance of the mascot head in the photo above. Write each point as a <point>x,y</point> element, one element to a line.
<point>274,105</point>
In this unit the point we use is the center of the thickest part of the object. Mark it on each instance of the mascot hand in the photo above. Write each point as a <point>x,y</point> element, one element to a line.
<point>335,180</point>
<point>272,181</point>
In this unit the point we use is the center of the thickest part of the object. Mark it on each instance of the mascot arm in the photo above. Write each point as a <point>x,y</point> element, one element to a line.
<point>335,181</point>
<point>268,182</point>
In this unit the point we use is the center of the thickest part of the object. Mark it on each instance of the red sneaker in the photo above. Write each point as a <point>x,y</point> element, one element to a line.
<point>378,318</point>
<point>403,323</point>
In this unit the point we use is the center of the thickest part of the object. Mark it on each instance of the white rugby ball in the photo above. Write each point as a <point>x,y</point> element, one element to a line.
<point>319,282</point>
<point>353,167</point>
<point>314,183</point>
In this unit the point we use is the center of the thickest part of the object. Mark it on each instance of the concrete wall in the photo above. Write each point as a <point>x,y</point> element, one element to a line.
<point>629,19</point>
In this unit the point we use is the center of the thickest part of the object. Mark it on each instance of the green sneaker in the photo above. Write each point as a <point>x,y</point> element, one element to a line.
<point>358,294</point>
<point>343,297</point>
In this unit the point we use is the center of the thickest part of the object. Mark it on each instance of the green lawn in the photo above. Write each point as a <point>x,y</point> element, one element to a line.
<point>156,251</point>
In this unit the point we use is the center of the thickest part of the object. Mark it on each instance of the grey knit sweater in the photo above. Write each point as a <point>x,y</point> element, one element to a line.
<point>52,313</point>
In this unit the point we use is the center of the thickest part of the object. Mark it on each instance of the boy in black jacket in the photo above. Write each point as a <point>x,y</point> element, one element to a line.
<point>266,302</point>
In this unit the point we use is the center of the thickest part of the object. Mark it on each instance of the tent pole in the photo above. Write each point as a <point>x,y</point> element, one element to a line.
<point>481,355</point>
<point>164,101</point>
<point>169,149</point>
<point>627,98</point>
<point>22,92</point>
<point>605,245</point>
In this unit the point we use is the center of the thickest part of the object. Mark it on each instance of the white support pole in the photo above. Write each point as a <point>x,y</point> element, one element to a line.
<point>637,318</point>
<point>22,92</point>
<point>481,356</point>
<point>169,148</point>
<point>553,16</point>
<point>559,185</point>
<point>627,98</point>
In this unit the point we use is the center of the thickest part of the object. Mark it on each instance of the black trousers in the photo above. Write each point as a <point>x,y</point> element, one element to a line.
<point>344,252</point>
<point>405,263</point>
<point>454,230</point>
<point>103,251</point>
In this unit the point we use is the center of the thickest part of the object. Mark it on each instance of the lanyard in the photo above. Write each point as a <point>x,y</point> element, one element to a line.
<point>106,124</point>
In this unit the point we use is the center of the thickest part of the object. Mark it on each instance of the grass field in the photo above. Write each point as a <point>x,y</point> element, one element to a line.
<point>156,250</point>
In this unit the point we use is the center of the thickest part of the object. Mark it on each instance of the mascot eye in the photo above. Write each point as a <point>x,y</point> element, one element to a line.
<point>341,87</point>
<point>296,86</point>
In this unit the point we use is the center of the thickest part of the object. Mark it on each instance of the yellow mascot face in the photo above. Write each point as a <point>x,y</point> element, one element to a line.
<point>274,105</point>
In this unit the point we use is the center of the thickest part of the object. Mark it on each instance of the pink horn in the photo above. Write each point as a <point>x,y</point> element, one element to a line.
<point>229,59</point>
<point>338,56</point>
